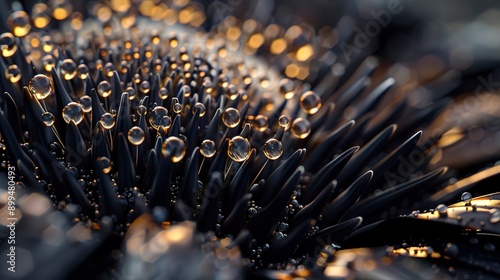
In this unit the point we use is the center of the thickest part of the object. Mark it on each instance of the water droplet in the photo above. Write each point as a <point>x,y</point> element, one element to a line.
<point>48,118</point>
<point>260,123</point>
<point>131,93</point>
<point>451,249</point>
<point>109,68</point>
<point>176,106</point>
<point>495,216</point>
<point>199,106</point>
<point>442,209</point>
<point>40,86</point>
<point>174,147</point>
<point>231,117</point>
<point>239,149</point>
<point>284,121</point>
<point>145,87</point>
<point>207,148</point>
<point>83,71</point>
<point>273,149</point>
<point>286,88</point>
<point>13,73</point>
<point>8,44</point>
<point>232,92</point>
<point>301,128</point>
<point>156,117</point>
<point>106,164</point>
<point>186,90</point>
<point>163,93</point>
<point>310,102</point>
<point>136,135</point>
<point>68,69</point>
<point>19,23</point>
<point>40,16</point>
<point>48,62</point>
<point>72,112</point>
<point>47,44</point>
<point>141,110</point>
<point>166,122</point>
<point>155,40</point>
<point>104,89</point>
<point>466,197</point>
<point>86,103</point>
<point>107,121</point>
<point>223,80</point>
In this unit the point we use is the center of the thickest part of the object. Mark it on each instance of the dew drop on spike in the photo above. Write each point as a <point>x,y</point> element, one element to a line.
<point>301,128</point>
<point>174,147</point>
<point>107,121</point>
<point>231,117</point>
<point>310,102</point>
<point>68,69</point>
<point>273,149</point>
<point>48,118</point>
<point>136,136</point>
<point>200,107</point>
<point>106,164</point>
<point>86,103</point>
<point>13,73</point>
<point>40,86</point>
<point>73,112</point>
<point>104,89</point>
<point>207,148</point>
<point>156,117</point>
<point>466,197</point>
<point>239,149</point>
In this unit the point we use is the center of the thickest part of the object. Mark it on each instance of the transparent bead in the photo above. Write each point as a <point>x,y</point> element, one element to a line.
<point>207,148</point>
<point>156,117</point>
<point>163,93</point>
<point>19,23</point>
<point>142,110</point>
<point>68,69</point>
<point>232,92</point>
<point>301,128</point>
<point>260,123</point>
<point>466,197</point>
<point>8,44</point>
<point>13,73</point>
<point>199,106</point>
<point>86,103</point>
<point>40,86</point>
<point>310,102</point>
<point>284,121</point>
<point>104,89</point>
<point>176,106</point>
<point>273,149</point>
<point>136,136</point>
<point>48,118</point>
<point>72,112</point>
<point>48,62</point>
<point>286,88</point>
<point>106,164</point>
<point>239,149</point>
<point>174,147</point>
<point>107,121</point>
<point>145,87</point>
<point>231,117</point>
<point>83,71</point>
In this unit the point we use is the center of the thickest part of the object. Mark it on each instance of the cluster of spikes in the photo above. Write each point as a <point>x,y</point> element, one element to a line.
<point>143,152</point>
